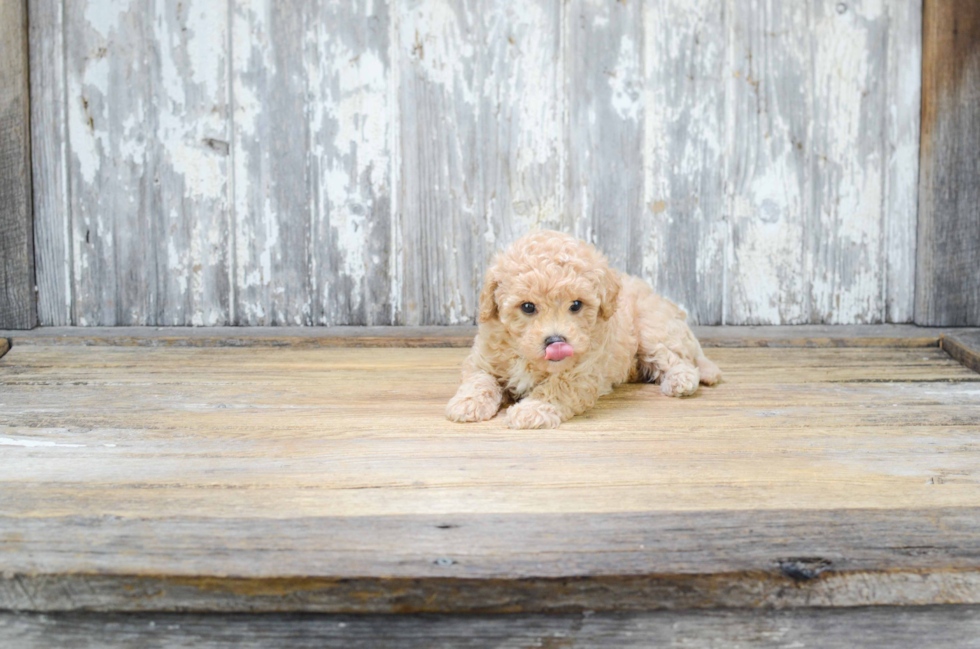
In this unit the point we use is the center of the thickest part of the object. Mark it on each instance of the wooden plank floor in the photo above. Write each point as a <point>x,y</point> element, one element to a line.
<point>263,478</point>
<point>955,627</point>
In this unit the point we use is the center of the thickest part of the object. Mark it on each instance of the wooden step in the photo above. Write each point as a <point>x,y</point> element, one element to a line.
<point>295,478</point>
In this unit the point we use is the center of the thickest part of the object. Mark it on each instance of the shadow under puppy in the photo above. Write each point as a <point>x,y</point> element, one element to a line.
<point>559,328</point>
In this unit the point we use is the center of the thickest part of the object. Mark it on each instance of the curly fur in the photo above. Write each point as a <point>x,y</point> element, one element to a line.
<point>623,333</point>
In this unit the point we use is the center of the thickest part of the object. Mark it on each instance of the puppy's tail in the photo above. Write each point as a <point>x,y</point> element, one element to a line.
<point>710,374</point>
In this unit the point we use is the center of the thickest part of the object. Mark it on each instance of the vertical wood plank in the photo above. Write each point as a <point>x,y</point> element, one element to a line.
<point>312,169</point>
<point>604,85</point>
<point>844,225</point>
<point>49,149</point>
<point>902,110</point>
<point>480,138</point>
<point>346,60</point>
<point>768,126</point>
<point>947,286</point>
<point>18,305</point>
<point>107,81</point>
<point>683,225</point>
<point>273,180</point>
<point>147,125</point>
<point>188,197</point>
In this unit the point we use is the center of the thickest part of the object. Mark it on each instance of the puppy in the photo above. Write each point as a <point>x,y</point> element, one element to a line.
<point>559,328</point>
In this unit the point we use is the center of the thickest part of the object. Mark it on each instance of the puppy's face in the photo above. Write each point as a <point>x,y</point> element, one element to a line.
<point>551,324</point>
<point>550,291</point>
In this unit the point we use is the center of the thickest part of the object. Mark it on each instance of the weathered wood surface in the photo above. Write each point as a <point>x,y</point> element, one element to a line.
<point>49,141</point>
<point>329,480</point>
<point>148,127</point>
<point>462,336</point>
<point>948,274</point>
<point>963,346</point>
<point>480,138</point>
<point>491,563</point>
<point>895,627</point>
<point>18,306</point>
<point>756,162</point>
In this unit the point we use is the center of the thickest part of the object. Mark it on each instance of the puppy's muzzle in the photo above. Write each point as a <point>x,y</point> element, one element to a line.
<point>556,349</point>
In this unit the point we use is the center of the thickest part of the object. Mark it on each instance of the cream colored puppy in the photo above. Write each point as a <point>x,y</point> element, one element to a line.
<point>559,328</point>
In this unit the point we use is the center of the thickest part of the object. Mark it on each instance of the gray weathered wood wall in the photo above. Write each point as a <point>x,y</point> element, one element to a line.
<point>18,309</point>
<point>253,162</point>
<point>948,262</point>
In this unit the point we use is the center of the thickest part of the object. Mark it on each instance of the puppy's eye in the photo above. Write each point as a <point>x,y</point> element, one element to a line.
<point>576,306</point>
<point>527,308</point>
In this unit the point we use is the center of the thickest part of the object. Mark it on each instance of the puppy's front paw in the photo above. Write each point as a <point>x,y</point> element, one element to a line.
<point>465,408</point>
<point>532,413</point>
<point>680,381</point>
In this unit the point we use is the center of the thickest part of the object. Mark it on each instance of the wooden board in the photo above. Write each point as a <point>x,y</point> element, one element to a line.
<point>604,180</point>
<point>897,627</point>
<point>224,479</point>
<point>147,152</point>
<point>720,154</point>
<point>18,306</point>
<point>480,130</point>
<point>685,205</point>
<point>964,347</point>
<point>947,281</point>
<point>312,169</point>
<point>51,175</point>
<point>462,336</point>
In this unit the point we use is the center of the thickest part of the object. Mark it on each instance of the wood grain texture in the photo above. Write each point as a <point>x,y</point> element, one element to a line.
<point>270,479</point>
<point>845,217</point>
<point>812,240</point>
<point>462,336</point>
<point>947,279</point>
<point>603,50</point>
<point>480,131</point>
<point>18,303</point>
<point>685,149</point>
<point>755,161</point>
<point>903,94</point>
<point>964,347</point>
<point>896,627</point>
<point>313,185</point>
<point>770,56</point>
<point>148,132</point>
<point>499,563</point>
<point>49,148</point>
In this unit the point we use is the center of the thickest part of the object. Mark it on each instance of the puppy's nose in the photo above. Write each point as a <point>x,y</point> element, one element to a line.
<point>550,340</point>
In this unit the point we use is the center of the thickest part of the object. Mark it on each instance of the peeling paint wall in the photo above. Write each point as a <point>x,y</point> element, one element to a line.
<point>324,162</point>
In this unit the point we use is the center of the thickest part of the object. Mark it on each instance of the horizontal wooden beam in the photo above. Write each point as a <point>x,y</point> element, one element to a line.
<point>964,347</point>
<point>18,306</point>
<point>939,627</point>
<point>461,336</point>
<point>479,563</point>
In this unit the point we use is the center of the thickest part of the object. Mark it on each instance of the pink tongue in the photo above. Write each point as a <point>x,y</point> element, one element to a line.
<point>558,351</point>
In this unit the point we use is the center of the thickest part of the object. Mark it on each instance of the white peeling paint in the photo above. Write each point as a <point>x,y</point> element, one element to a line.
<point>103,15</point>
<point>812,127</point>
<point>625,82</point>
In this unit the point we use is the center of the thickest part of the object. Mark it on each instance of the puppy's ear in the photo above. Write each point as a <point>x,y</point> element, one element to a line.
<point>488,301</point>
<point>609,287</point>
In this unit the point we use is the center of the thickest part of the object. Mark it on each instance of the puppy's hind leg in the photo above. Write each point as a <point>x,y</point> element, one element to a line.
<point>710,373</point>
<point>677,376</point>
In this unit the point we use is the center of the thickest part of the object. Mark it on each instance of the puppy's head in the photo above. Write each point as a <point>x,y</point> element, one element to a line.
<point>550,291</point>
